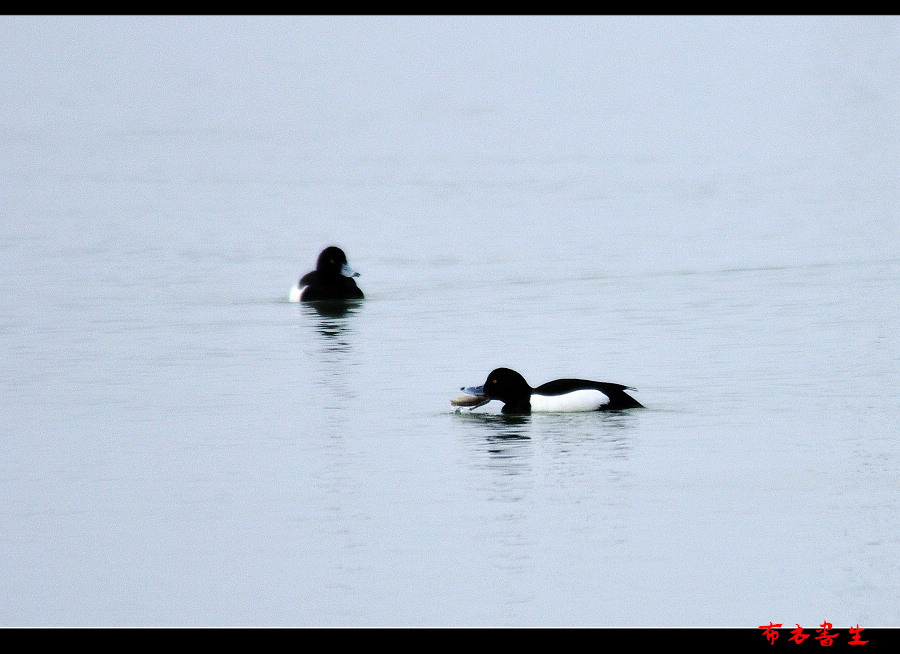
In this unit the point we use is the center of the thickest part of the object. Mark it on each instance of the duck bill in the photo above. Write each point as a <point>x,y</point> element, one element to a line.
<point>472,397</point>
<point>347,271</point>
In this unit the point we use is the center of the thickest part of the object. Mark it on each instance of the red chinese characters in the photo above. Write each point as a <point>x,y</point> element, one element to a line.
<point>856,640</point>
<point>826,636</point>
<point>770,633</point>
<point>797,634</point>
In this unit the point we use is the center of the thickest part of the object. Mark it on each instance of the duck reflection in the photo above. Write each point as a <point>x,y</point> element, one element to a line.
<point>330,359</point>
<point>333,308</point>
<point>508,439</point>
<point>503,438</point>
<point>332,321</point>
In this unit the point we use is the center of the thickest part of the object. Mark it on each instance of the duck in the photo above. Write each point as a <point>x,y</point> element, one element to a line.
<point>560,395</point>
<point>331,280</point>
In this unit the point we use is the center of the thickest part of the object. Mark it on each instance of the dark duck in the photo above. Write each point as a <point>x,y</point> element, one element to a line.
<point>332,280</point>
<point>561,395</point>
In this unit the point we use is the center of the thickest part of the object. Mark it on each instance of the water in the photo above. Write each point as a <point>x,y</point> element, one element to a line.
<point>704,209</point>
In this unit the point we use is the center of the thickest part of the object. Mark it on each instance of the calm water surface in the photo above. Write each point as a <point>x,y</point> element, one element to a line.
<point>183,447</point>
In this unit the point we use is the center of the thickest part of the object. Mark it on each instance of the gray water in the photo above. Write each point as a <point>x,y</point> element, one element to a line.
<point>702,208</point>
